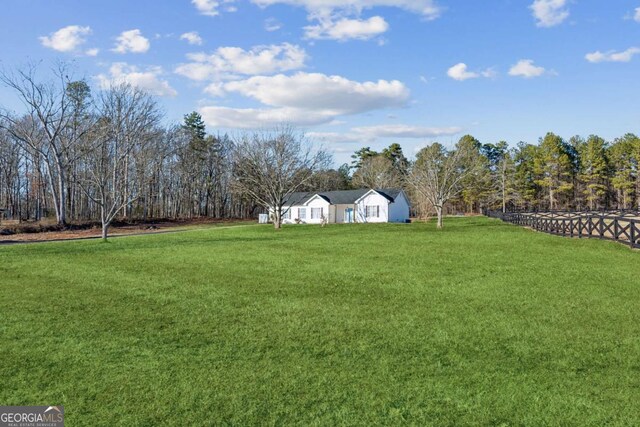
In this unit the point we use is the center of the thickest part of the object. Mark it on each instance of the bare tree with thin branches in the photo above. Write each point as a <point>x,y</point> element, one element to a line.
<point>438,174</point>
<point>127,121</point>
<point>270,166</point>
<point>48,127</point>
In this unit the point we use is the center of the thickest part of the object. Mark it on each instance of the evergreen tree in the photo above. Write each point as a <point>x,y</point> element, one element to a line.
<point>502,169</point>
<point>577,144</point>
<point>361,155</point>
<point>624,166</point>
<point>477,186</point>
<point>594,170</point>
<point>397,157</point>
<point>554,167</point>
<point>525,179</point>
<point>194,161</point>
<point>195,126</point>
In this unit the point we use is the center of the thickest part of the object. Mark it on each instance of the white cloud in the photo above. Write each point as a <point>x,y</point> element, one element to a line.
<point>340,19</point>
<point>636,17</point>
<point>612,56</point>
<point>315,91</point>
<point>228,62</point>
<point>192,37</point>
<point>489,73</point>
<point>525,68</point>
<point>345,29</point>
<point>207,7</point>
<point>254,118</point>
<point>370,134</point>
<point>461,73</point>
<point>67,39</point>
<point>406,131</point>
<point>303,99</point>
<point>132,41</point>
<point>272,24</point>
<point>148,80</point>
<point>427,8</point>
<point>549,13</point>
<point>92,52</point>
<point>338,138</point>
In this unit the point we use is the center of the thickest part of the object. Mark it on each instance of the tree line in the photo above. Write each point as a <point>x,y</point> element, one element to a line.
<point>555,173</point>
<point>79,156</point>
<point>82,156</point>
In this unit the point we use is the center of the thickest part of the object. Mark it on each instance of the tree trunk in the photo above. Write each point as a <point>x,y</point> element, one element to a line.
<point>125,208</point>
<point>105,223</point>
<point>504,202</point>
<point>439,213</point>
<point>504,183</point>
<point>62,200</point>
<point>624,199</point>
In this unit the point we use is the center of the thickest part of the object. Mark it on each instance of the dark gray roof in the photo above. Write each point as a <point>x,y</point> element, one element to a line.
<point>344,197</point>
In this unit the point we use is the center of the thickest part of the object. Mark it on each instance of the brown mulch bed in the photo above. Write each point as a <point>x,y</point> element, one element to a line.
<point>41,232</point>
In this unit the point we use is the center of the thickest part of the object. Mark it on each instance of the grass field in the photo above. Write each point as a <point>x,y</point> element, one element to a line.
<point>483,323</point>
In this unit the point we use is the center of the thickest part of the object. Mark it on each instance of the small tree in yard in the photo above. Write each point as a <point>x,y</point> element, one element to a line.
<point>437,174</point>
<point>270,166</point>
<point>127,121</point>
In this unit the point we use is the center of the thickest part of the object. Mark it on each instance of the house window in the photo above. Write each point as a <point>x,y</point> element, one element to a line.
<point>302,213</point>
<point>316,213</point>
<point>373,211</point>
<point>286,214</point>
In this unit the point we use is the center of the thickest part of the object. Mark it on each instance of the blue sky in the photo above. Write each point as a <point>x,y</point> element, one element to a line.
<point>354,73</point>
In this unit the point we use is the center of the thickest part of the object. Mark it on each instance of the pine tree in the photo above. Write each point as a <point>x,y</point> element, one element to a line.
<point>361,155</point>
<point>594,170</point>
<point>621,155</point>
<point>477,187</point>
<point>502,168</point>
<point>554,165</point>
<point>525,179</point>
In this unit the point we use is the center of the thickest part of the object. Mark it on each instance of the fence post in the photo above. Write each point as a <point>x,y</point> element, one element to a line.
<point>571,227</point>
<point>632,234</point>
<point>579,227</point>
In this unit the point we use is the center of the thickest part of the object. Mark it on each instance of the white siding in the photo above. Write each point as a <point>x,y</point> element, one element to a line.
<point>372,199</point>
<point>399,210</point>
<point>327,211</point>
<point>293,214</point>
<point>388,212</point>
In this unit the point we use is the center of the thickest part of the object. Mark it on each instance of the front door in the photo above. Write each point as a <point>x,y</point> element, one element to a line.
<point>348,215</point>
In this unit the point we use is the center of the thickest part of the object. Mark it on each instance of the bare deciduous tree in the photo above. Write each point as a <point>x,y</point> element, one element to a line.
<point>377,172</point>
<point>48,127</point>
<point>127,122</point>
<point>438,174</point>
<point>270,166</point>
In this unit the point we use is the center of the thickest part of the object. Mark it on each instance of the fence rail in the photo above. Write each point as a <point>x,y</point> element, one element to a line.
<point>620,225</point>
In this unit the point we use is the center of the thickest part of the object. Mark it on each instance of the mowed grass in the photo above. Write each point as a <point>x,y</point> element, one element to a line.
<point>482,323</point>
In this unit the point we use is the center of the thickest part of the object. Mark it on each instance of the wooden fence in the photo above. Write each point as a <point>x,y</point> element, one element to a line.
<point>619,225</point>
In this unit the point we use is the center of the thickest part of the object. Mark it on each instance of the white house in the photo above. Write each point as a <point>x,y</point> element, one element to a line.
<point>363,206</point>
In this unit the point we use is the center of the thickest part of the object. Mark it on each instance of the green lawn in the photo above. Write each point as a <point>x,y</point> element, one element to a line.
<point>482,323</point>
